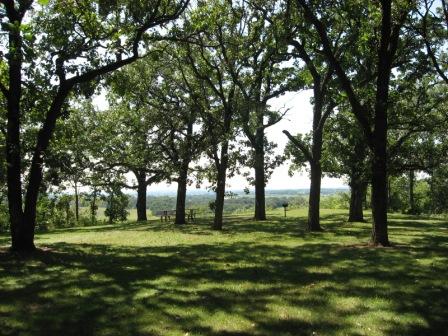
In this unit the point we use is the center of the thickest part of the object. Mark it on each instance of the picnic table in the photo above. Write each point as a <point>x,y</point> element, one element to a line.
<point>166,214</point>
<point>191,214</point>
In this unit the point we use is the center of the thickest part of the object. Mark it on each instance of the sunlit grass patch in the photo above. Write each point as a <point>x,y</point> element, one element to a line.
<point>254,278</point>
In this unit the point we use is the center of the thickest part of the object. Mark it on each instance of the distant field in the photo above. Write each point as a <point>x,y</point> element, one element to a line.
<point>254,278</point>
<point>132,217</point>
<point>101,217</point>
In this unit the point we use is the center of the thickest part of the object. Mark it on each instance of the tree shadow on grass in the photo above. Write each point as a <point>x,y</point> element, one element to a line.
<point>405,217</point>
<point>233,224</point>
<point>276,224</point>
<point>235,288</point>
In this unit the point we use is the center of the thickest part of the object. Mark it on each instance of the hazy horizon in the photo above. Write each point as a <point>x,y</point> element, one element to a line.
<point>240,192</point>
<point>298,119</point>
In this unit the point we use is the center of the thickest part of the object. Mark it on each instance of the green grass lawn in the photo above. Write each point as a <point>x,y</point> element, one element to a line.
<point>132,214</point>
<point>254,278</point>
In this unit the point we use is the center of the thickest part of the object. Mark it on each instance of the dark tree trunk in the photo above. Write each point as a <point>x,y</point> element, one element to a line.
<point>380,202</point>
<point>379,198</point>
<point>181,194</point>
<point>14,179</point>
<point>366,203</point>
<point>432,197</point>
<point>389,40</point>
<point>256,138</point>
<point>412,208</point>
<point>221,187</point>
<point>315,164</point>
<point>141,196</point>
<point>260,184</point>
<point>313,157</point>
<point>93,207</point>
<point>380,181</point>
<point>314,198</point>
<point>183,174</point>
<point>358,191</point>
<point>36,174</point>
<point>76,202</point>
<point>21,238</point>
<point>219,202</point>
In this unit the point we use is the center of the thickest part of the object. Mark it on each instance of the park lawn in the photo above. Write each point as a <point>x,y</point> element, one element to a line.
<point>101,217</point>
<point>132,214</point>
<point>254,278</point>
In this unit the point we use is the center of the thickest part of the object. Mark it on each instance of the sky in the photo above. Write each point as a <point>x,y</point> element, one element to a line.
<point>298,119</point>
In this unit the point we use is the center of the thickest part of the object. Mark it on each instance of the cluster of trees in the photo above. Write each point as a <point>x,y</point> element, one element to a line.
<point>188,87</point>
<point>233,204</point>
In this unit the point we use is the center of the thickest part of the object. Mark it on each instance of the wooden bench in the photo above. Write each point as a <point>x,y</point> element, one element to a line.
<point>191,214</point>
<point>165,214</point>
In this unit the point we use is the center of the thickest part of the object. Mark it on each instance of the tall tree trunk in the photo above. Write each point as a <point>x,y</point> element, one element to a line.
<point>141,196</point>
<point>93,207</point>
<point>260,184</point>
<point>221,187</point>
<point>367,204</point>
<point>388,46</point>
<point>20,236</point>
<point>219,201</point>
<point>314,198</point>
<point>358,189</point>
<point>433,207</point>
<point>412,208</point>
<point>76,202</point>
<point>315,164</point>
<point>380,181</point>
<point>181,194</point>
<point>358,183</point>
<point>37,163</point>
<point>389,40</point>
<point>379,199</point>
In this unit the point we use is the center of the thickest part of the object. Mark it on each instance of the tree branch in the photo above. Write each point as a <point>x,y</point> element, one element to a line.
<point>357,108</point>
<point>429,50</point>
<point>326,114</point>
<point>276,120</point>
<point>307,59</point>
<point>157,177</point>
<point>302,146</point>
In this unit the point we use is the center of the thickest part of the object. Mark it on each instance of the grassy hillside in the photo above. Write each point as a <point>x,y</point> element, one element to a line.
<point>270,278</point>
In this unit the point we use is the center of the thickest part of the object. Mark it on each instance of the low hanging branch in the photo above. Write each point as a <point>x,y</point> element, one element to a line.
<point>301,145</point>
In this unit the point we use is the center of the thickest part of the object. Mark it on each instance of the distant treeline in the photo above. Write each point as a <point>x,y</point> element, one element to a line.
<point>244,203</point>
<point>58,211</point>
<point>238,201</point>
<point>232,204</point>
